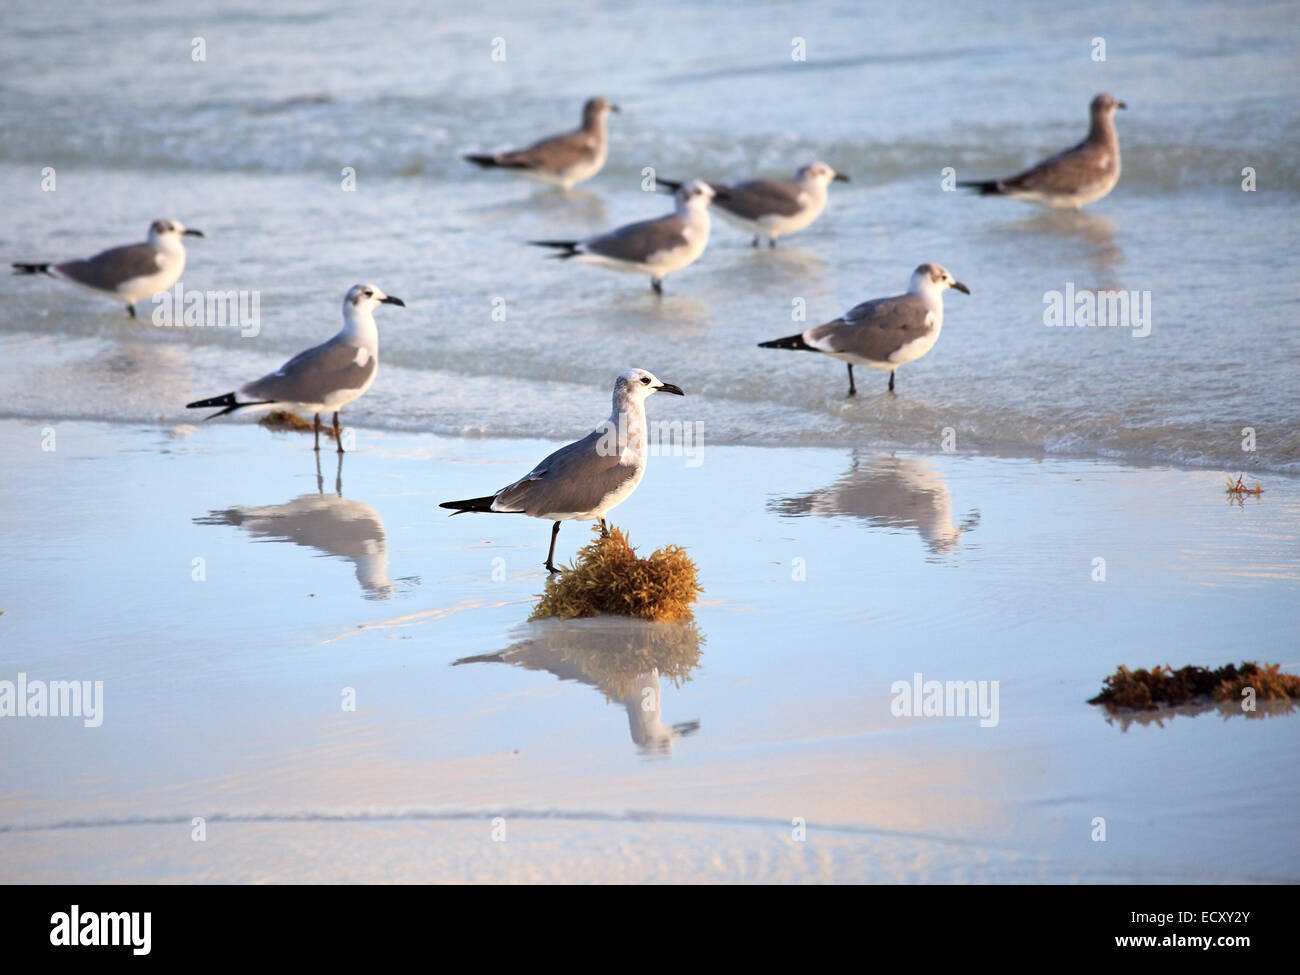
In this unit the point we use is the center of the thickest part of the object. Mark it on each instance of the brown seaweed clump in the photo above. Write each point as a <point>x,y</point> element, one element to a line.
<point>1146,690</point>
<point>288,421</point>
<point>607,576</point>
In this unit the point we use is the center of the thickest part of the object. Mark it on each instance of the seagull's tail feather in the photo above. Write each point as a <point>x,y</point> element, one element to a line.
<point>470,504</point>
<point>488,161</point>
<point>228,401</point>
<point>789,342</point>
<point>33,268</point>
<point>570,247</point>
<point>984,187</point>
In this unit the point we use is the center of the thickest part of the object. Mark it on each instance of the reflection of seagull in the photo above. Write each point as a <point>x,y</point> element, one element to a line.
<point>895,492</point>
<point>623,658</point>
<point>561,159</point>
<point>338,527</point>
<point>130,273</point>
<point>1072,178</point>
<point>772,208</point>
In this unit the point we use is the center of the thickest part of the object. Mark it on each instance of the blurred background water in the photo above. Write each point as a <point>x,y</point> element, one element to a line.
<point>250,144</point>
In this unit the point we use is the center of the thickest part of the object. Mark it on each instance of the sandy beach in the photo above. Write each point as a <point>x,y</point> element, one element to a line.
<point>482,747</point>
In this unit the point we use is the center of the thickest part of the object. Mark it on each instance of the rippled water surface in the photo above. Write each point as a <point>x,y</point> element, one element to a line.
<point>250,144</point>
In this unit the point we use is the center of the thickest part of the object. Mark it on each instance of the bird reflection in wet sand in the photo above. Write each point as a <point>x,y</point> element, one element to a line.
<point>893,492</point>
<point>625,659</point>
<point>1090,237</point>
<point>334,525</point>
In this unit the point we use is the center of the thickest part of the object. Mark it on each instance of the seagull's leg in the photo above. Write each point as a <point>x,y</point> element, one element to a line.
<point>604,528</point>
<point>658,285</point>
<point>338,433</point>
<point>320,478</point>
<point>550,556</point>
<point>891,380</point>
<point>317,447</point>
<point>853,390</point>
<point>755,243</point>
<point>130,310</point>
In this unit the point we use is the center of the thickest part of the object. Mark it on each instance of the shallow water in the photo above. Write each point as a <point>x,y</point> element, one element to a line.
<point>249,146</point>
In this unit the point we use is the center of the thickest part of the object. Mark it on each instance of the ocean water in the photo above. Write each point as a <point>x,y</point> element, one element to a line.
<point>250,145</point>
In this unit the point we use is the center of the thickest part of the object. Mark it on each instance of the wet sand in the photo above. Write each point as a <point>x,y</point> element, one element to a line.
<point>758,744</point>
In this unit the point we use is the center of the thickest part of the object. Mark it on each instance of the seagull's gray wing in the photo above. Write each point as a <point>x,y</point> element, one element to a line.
<point>875,329</point>
<point>574,479</point>
<point>554,154</point>
<point>312,375</point>
<point>107,269</point>
<point>639,242</point>
<point>1066,172</point>
<point>760,198</point>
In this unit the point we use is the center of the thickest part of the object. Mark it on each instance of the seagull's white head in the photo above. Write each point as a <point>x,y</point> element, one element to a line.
<point>934,279</point>
<point>365,297</point>
<point>170,231</point>
<point>637,384</point>
<point>1104,105</point>
<point>696,193</point>
<point>820,174</point>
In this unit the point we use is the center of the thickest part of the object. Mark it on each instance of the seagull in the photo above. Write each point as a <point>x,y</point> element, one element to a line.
<point>654,247</point>
<point>1073,178</point>
<point>563,160</point>
<point>883,333</point>
<point>589,477</point>
<point>131,272</point>
<point>326,377</point>
<point>772,208</point>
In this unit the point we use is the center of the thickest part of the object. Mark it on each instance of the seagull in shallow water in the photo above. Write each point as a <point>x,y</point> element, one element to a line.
<point>130,273</point>
<point>587,479</point>
<point>654,247</point>
<point>563,160</point>
<point>883,333</point>
<point>1079,175</point>
<point>773,208</point>
<point>326,377</point>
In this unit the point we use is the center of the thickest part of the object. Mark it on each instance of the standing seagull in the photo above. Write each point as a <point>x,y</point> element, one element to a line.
<point>1072,178</point>
<point>883,333</point>
<point>324,378</point>
<point>654,247</point>
<point>132,272</point>
<point>772,208</point>
<point>588,478</point>
<point>564,160</point>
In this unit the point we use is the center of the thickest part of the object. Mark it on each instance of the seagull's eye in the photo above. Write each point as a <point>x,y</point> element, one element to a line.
<point>370,294</point>
<point>645,382</point>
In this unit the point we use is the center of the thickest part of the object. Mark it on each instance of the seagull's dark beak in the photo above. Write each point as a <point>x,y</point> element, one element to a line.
<point>670,184</point>
<point>669,388</point>
<point>1120,105</point>
<point>719,193</point>
<point>390,300</point>
<point>191,232</point>
<point>958,286</point>
<point>615,108</point>
<point>840,178</point>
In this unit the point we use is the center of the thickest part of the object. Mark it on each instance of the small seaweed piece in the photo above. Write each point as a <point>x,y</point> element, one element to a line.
<point>286,420</point>
<point>1239,487</point>
<point>1146,690</point>
<point>607,576</point>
